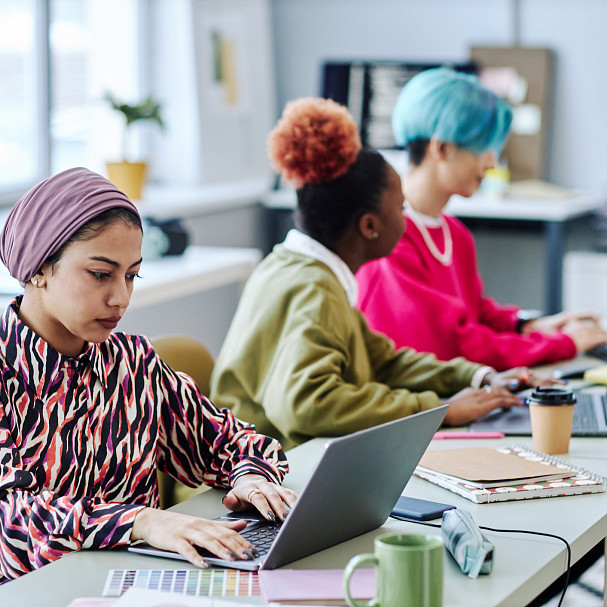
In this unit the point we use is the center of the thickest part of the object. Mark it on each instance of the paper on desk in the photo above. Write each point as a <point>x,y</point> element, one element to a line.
<point>597,375</point>
<point>314,584</point>
<point>142,597</point>
<point>540,190</point>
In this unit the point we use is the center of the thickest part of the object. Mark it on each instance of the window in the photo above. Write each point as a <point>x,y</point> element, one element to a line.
<point>57,58</point>
<point>23,98</point>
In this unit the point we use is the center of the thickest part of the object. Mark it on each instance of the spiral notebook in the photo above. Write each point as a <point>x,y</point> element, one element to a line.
<point>558,479</point>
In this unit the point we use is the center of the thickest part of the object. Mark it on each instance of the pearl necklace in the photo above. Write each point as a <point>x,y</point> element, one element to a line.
<point>444,258</point>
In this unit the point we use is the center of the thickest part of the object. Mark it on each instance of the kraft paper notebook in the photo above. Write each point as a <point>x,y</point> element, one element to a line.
<point>485,475</point>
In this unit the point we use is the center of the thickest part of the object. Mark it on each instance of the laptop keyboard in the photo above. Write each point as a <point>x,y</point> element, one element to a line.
<point>261,537</point>
<point>584,415</point>
<point>599,351</point>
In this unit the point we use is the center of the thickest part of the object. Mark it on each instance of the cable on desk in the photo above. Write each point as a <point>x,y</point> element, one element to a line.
<point>557,537</point>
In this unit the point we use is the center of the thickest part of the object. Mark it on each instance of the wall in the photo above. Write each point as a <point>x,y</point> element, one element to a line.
<point>308,32</point>
<point>210,64</point>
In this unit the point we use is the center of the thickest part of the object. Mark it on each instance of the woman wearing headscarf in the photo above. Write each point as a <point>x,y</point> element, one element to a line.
<point>87,416</point>
<point>299,360</point>
<point>428,294</point>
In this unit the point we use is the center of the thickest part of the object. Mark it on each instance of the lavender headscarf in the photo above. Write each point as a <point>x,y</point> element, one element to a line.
<point>50,213</point>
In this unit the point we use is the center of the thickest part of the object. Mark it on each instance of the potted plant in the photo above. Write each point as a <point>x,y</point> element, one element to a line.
<point>129,176</point>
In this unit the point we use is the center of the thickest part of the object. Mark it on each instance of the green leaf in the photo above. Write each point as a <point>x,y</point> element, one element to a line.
<point>148,109</point>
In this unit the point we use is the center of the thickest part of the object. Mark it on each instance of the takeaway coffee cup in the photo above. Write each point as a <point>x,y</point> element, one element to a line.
<point>408,571</point>
<point>551,413</point>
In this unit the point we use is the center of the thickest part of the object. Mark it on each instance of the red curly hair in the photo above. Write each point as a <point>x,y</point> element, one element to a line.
<point>315,140</point>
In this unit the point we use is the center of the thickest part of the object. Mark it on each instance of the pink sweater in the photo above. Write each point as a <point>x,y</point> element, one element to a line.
<point>417,302</point>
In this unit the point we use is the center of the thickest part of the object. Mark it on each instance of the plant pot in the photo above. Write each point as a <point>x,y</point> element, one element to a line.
<point>129,177</point>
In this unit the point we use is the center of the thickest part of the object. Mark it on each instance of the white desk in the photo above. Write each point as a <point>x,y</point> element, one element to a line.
<point>554,217</point>
<point>198,269</point>
<point>523,566</point>
<point>524,209</point>
<point>194,293</point>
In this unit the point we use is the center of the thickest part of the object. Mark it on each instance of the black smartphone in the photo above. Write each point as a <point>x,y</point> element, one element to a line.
<point>418,510</point>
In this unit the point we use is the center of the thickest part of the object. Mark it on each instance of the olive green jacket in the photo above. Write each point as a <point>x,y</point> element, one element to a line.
<point>299,361</point>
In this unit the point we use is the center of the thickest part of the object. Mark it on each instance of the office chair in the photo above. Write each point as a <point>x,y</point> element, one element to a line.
<point>183,353</point>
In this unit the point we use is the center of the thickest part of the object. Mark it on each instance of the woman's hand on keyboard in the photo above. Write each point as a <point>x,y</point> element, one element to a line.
<point>557,322</point>
<point>254,490</point>
<point>181,533</point>
<point>470,404</point>
<point>585,334</point>
<point>519,378</point>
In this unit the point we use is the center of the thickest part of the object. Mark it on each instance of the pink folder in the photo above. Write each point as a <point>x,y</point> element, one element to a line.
<point>314,584</point>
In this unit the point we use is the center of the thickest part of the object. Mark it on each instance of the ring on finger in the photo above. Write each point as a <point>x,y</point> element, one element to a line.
<point>252,493</point>
<point>526,377</point>
<point>488,389</point>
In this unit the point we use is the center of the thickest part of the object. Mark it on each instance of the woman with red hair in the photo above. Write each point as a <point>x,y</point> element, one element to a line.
<point>299,360</point>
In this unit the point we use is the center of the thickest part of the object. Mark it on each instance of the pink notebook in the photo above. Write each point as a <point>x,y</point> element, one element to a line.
<point>314,584</point>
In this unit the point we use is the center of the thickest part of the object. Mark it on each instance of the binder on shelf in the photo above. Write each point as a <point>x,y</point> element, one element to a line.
<point>507,481</point>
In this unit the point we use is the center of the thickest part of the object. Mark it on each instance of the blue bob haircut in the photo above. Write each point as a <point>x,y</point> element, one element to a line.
<point>454,108</point>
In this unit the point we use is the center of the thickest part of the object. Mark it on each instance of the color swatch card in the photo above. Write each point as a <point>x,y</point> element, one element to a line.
<point>190,582</point>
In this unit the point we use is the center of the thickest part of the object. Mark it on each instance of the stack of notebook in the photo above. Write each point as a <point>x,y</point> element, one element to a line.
<point>485,475</point>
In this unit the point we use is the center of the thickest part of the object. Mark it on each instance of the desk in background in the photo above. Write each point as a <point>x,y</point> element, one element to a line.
<point>585,284</point>
<point>551,224</point>
<point>198,269</point>
<point>524,565</point>
<point>194,293</point>
<point>223,214</point>
<point>555,218</point>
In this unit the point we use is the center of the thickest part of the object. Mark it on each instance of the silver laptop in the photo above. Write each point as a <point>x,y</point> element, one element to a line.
<point>352,490</point>
<point>589,418</point>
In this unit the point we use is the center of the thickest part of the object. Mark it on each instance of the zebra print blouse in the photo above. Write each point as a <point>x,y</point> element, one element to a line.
<point>81,439</point>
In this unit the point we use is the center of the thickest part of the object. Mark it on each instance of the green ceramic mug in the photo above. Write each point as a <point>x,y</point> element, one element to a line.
<point>408,571</point>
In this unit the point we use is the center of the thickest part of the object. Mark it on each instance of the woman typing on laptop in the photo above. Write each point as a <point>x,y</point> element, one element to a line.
<point>428,294</point>
<point>87,416</point>
<point>299,360</point>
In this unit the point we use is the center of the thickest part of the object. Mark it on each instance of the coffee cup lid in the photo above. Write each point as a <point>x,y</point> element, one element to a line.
<point>552,396</point>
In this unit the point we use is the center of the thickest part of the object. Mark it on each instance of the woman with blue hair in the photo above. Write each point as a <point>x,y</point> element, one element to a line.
<point>428,294</point>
